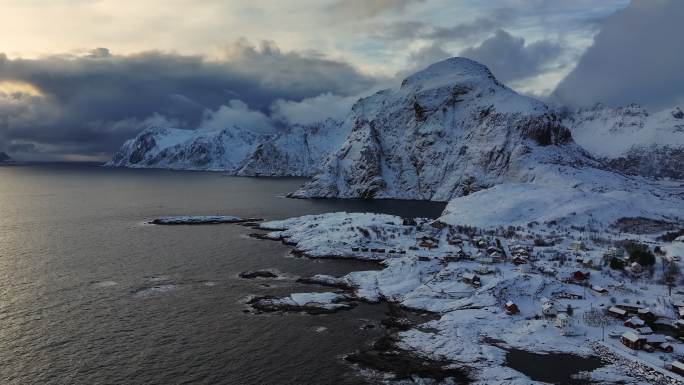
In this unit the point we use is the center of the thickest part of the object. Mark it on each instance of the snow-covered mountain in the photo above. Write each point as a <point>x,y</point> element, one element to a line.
<point>4,157</point>
<point>632,140</point>
<point>295,151</point>
<point>447,131</point>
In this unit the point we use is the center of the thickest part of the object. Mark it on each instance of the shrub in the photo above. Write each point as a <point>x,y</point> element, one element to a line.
<point>617,264</point>
<point>638,252</point>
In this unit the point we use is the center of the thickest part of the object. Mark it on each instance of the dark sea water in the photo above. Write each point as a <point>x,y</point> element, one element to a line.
<point>89,294</point>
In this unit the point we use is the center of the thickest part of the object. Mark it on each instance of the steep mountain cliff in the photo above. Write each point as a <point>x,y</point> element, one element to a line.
<point>447,131</point>
<point>295,151</point>
<point>631,140</point>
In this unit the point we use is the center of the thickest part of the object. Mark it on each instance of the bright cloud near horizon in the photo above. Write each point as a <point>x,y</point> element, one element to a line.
<point>77,77</point>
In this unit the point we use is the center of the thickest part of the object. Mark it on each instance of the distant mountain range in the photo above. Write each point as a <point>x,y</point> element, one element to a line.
<point>453,132</point>
<point>295,151</point>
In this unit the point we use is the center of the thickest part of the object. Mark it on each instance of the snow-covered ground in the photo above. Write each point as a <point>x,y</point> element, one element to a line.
<point>432,265</point>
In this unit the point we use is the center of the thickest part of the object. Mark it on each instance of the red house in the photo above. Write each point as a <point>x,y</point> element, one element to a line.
<point>511,308</point>
<point>633,341</point>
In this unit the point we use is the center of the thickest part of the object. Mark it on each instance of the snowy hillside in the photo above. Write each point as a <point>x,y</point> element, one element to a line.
<point>297,151</point>
<point>632,140</point>
<point>447,131</point>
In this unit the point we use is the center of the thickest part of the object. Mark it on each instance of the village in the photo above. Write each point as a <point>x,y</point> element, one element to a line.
<point>542,288</point>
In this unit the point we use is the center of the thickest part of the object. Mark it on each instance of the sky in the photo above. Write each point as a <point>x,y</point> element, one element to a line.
<point>79,77</point>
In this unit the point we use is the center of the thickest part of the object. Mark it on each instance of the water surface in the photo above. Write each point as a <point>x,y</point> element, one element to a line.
<point>89,294</point>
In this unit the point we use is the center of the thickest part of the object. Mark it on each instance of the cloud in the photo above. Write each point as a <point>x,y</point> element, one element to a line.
<point>237,113</point>
<point>90,104</point>
<point>636,57</point>
<point>404,30</point>
<point>368,8</point>
<point>510,58</point>
<point>315,109</point>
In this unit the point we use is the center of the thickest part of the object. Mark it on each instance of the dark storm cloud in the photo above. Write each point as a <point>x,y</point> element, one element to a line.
<point>636,57</point>
<point>90,104</point>
<point>510,58</point>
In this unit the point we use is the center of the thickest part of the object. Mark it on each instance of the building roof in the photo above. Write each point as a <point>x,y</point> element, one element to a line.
<point>656,338</point>
<point>678,365</point>
<point>632,337</point>
<point>509,304</point>
<point>644,310</point>
<point>617,310</point>
<point>636,321</point>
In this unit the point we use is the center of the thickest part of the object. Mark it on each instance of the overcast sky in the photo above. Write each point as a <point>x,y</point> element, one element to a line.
<point>78,77</point>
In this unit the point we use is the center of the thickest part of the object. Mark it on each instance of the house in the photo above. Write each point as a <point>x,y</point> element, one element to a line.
<point>635,322</point>
<point>482,269</point>
<point>548,307</point>
<point>492,249</point>
<point>644,330</point>
<point>636,268</point>
<point>614,252</point>
<point>629,308</point>
<point>678,367</point>
<point>633,340</point>
<point>511,308</point>
<point>655,340</point>
<point>645,314</point>
<point>679,324</point>
<point>587,262</point>
<point>563,320</point>
<point>580,276</point>
<point>519,260</point>
<point>564,323</point>
<point>471,279</point>
<point>617,312</point>
<point>599,289</point>
<point>578,246</point>
<point>667,347</point>
<point>438,225</point>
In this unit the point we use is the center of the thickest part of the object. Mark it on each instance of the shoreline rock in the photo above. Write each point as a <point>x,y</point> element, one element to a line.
<point>201,220</point>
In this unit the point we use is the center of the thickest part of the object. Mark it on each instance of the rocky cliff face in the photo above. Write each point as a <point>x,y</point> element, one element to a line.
<point>447,131</point>
<point>631,140</point>
<point>296,151</point>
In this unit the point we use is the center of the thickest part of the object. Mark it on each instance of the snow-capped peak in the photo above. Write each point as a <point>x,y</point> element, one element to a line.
<point>452,71</point>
